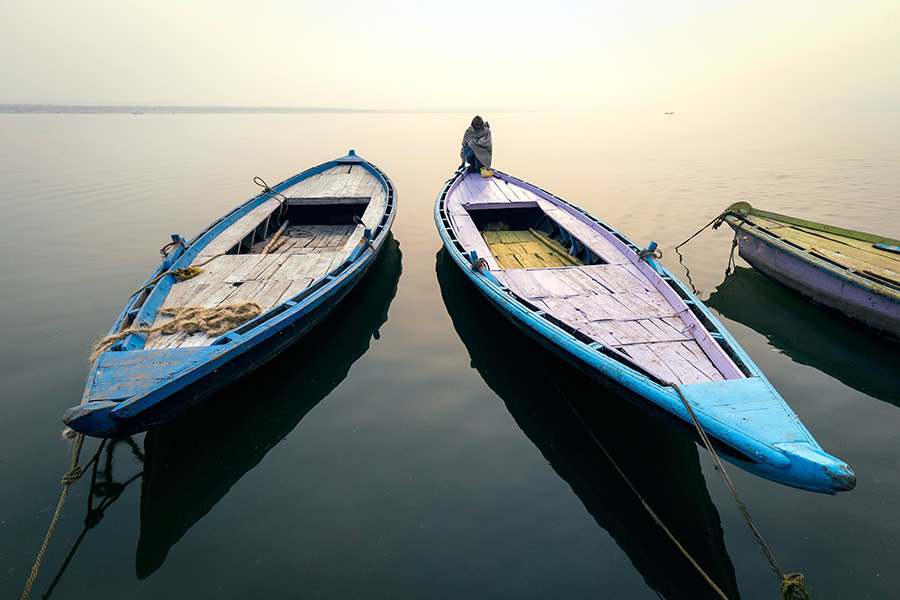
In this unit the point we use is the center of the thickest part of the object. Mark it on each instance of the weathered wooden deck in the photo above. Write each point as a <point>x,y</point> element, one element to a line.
<point>614,303</point>
<point>308,253</point>
<point>857,255</point>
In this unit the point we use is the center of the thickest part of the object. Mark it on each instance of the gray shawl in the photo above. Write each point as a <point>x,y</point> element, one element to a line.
<point>480,143</point>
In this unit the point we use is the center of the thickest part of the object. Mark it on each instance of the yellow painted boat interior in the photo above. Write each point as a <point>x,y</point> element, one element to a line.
<point>528,249</point>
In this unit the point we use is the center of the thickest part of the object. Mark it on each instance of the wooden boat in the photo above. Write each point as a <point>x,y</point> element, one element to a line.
<point>588,293</point>
<point>580,435</point>
<point>850,271</point>
<point>286,258</point>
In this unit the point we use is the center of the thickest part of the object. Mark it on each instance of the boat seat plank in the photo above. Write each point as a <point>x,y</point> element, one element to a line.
<point>239,229</point>
<point>362,183</point>
<point>480,191</point>
<point>375,208</point>
<point>584,233</point>
<point>471,239</point>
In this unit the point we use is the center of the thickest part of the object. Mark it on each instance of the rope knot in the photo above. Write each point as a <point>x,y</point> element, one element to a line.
<point>72,476</point>
<point>792,587</point>
<point>647,252</point>
<point>479,264</point>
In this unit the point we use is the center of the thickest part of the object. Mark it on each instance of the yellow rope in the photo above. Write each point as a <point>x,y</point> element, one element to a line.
<point>68,479</point>
<point>180,274</point>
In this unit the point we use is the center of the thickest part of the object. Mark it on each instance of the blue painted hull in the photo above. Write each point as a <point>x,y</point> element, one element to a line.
<point>779,448</point>
<point>157,385</point>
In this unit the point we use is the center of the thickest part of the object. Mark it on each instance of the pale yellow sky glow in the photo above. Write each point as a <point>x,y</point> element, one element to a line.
<point>502,55</point>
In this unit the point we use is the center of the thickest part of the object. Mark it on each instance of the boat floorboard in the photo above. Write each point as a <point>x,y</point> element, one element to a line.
<point>848,252</point>
<point>616,306</point>
<point>308,253</point>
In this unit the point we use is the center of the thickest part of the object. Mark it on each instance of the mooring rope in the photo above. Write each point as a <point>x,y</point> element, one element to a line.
<point>640,498</point>
<point>791,584</point>
<point>75,472</point>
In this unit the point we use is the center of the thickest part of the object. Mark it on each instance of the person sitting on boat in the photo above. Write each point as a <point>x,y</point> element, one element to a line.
<point>477,147</point>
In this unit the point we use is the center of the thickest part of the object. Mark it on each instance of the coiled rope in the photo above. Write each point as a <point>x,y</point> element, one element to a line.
<point>791,584</point>
<point>277,195</point>
<point>648,253</point>
<point>213,321</point>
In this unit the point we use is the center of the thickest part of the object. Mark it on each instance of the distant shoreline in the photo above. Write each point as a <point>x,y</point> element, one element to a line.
<point>136,109</point>
<point>86,109</point>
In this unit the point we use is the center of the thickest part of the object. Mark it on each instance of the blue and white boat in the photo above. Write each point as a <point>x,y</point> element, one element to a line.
<point>589,294</point>
<point>242,290</point>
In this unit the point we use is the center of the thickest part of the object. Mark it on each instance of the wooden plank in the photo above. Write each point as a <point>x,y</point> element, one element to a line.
<point>294,287</point>
<point>240,272</point>
<point>239,229</point>
<point>647,358</point>
<point>557,287</point>
<point>580,281</point>
<point>855,254</point>
<point>694,355</point>
<point>271,293</point>
<point>617,278</point>
<point>481,191</point>
<point>523,284</point>
<point>646,304</point>
<point>521,194</point>
<point>361,183</point>
<point>601,307</point>
<point>565,310</point>
<point>590,237</point>
<point>505,189</point>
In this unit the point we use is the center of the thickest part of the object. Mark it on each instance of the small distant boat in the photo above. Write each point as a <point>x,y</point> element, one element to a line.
<point>850,271</point>
<point>586,292</point>
<point>242,290</point>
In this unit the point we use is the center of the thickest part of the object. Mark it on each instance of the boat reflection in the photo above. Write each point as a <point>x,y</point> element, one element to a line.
<point>575,422</point>
<point>193,461</point>
<point>810,335</point>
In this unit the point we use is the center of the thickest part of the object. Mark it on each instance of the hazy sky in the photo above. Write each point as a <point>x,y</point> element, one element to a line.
<point>405,54</point>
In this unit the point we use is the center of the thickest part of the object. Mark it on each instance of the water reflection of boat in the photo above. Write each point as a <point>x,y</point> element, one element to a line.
<point>546,397</point>
<point>193,461</point>
<point>810,335</point>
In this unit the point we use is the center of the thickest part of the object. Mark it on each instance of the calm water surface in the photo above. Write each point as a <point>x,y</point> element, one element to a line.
<point>415,445</point>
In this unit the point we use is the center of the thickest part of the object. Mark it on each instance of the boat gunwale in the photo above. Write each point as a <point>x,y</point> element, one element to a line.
<point>738,207</point>
<point>844,273</point>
